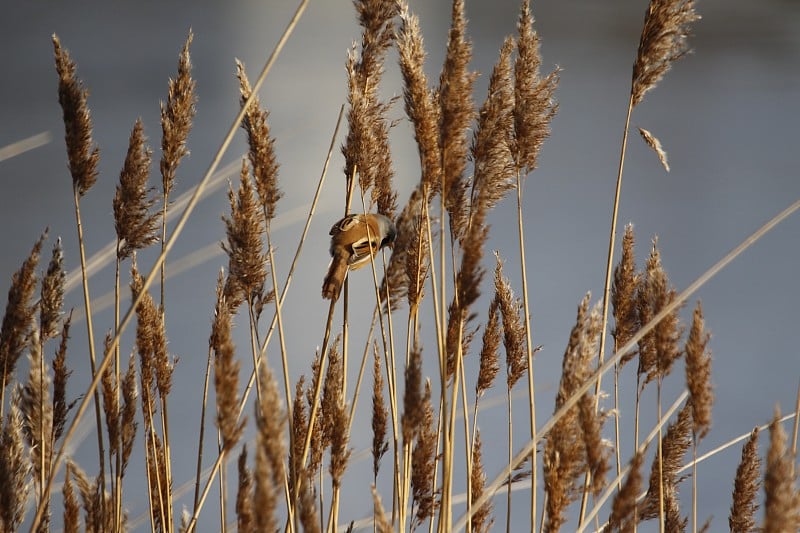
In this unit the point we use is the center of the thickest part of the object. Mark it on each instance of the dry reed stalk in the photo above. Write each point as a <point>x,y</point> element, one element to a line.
<point>490,151</point>
<point>270,452</point>
<point>50,309</point>
<point>482,520</point>
<point>658,350</point>
<point>663,40</point>
<point>626,321</point>
<point>83,156</point>
<point>745,488</point>
<point>15,468</point>
<point>623,509</point>
<point>423,110</point>
<point>489,365</point>
<point>156,377</point>
<point>534,109</point>
<point>246,258</point>
<point>244,495</point>
<point>516,360</point>
<point>782,501</point>
<point>565,455</point>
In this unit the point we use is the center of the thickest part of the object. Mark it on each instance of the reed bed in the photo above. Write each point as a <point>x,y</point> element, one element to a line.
<point>432,300</point>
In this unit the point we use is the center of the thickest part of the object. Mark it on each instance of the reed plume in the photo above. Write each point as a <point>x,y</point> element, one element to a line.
<point>534,106</point>
<point>658,350</point>
<point>177,115</point>
<point>244,494</point>
<point>15,468</point>
<point>423,462</point>
<point>246,260</point>
<point>698,374</point>
<point>745,488</point>
<point>664,480</point>
<point>457,111</point>
<point>82,154</point>
<point>19,317</point>
<point>71,507</point>
<point>51,301</point>
<point>623,509</point>
<point>421,103</point>
<point>136,225</point>
<point>380,415</point>
<point>226,374</point>
<point>663,41</point>
<point>489,357</point>
<point>270,451</point>
<point>482,520</point>
<point>366,149</point>
<point>565,455</point>
<point>782,501</point>
<point>623,296</point>
<point>61,374</point>
<point>262,147</point>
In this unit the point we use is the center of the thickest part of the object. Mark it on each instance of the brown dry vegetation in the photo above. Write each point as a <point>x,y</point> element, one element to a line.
<point>474,150</point>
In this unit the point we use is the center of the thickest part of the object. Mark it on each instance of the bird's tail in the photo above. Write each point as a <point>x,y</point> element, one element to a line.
<point>332,285</point>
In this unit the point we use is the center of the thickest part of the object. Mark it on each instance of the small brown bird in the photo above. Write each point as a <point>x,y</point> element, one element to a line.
<point>355,239</point>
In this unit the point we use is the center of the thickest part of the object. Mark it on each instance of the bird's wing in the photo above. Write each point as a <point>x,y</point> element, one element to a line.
<point>346,224</point>
<point>362,250</point>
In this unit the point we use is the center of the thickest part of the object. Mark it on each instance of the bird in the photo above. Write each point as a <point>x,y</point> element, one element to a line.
<point>355,239</point>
